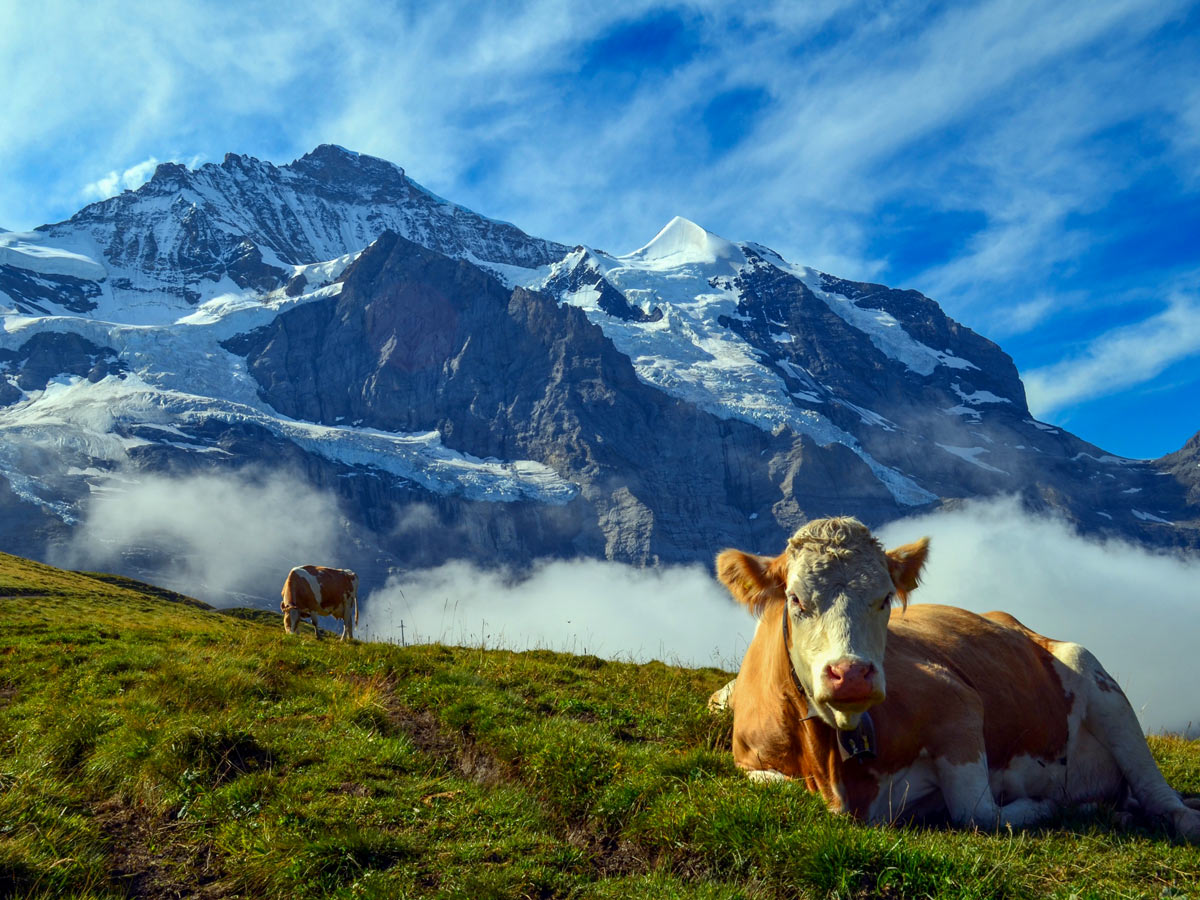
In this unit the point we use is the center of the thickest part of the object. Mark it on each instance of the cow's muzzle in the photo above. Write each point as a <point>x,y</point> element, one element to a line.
<point>851,684</point>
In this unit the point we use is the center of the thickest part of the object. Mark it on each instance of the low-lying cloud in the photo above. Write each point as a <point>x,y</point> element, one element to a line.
<point>227,539</point>
<point>678,614</point>
<point>1136,610</point>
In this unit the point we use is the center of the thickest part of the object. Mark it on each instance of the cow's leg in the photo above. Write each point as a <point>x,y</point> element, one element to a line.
<point>1108,716</point>
<point>721,698</point>
<point>970,802</point>
<point>316,627</point>
<point>766,776</point>
<point>347,628</point>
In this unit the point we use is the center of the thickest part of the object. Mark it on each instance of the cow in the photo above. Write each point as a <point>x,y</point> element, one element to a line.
<point>898,713</point>
<point>311,591</point>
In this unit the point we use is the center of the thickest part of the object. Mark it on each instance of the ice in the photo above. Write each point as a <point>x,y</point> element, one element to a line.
<point>32,252</point>
<point>78,417</point>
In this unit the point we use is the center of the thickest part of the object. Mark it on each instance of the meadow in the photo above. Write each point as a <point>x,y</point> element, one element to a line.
<point>153,747</point>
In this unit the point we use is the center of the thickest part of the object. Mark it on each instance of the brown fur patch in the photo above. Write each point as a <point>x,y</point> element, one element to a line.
<point>904,566</point>
<point>754,581</point>
<point>945,667</point>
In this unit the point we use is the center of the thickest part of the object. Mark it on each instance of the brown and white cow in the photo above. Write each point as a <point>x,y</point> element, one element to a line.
<point>311,591</point>
<point>974,719</point>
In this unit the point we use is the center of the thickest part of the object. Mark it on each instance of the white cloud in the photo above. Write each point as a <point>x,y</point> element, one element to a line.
<point>1118,359</point>
<point>677,614</point>
<point>225,539</point>
<point>112,183</point>
<point>1134,609</point>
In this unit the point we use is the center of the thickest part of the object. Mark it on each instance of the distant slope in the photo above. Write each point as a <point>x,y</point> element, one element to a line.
<point>156,749</point>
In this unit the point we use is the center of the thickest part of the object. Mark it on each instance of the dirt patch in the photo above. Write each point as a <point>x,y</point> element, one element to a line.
<point>151,858</point>
<point>458,751</point>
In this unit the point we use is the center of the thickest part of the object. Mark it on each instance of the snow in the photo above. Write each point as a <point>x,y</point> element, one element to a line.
<point>682,242</point>
<point>180,375</point>
<point>688,274</point>
<point>885,332</point>
<point>79,418</point>
<point>31,251</point>
<point>1149,517</point>
<point>977,397</point>
<point>971,454</point>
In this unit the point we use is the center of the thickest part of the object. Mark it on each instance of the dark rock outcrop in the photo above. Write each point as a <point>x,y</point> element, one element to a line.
<point>417,341</point>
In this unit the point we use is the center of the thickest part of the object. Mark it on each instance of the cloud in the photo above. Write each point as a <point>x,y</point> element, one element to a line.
<point>678,614</point>
<point>112,183</point>
<point>1118,359</point>
<point>1133,608</point>
<point>226,539</point>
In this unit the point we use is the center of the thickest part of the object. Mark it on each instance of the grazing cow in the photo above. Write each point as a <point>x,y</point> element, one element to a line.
<point>311,591</point>
<point>926,713</point>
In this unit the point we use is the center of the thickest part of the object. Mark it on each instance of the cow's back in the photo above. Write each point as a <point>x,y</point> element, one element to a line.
<point>995,662</point>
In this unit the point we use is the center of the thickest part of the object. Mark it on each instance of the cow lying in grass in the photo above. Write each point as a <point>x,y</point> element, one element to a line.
<point>922,712</point>
<point>311,591</point>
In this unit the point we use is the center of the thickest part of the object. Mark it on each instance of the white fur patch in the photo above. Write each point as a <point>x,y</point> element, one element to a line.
<point>313,584</point>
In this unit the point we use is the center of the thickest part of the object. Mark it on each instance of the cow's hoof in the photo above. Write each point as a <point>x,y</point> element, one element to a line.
<point>1187,825</point>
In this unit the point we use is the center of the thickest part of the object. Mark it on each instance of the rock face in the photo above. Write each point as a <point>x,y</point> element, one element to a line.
<point>417,341</point>
<point>464,390</point>
<point>1184,467</point>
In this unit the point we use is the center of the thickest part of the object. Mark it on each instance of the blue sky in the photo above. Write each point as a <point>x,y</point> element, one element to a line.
<point>1032,166</point>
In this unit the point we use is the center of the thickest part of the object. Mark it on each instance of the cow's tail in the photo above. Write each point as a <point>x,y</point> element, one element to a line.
<point>355,601</point>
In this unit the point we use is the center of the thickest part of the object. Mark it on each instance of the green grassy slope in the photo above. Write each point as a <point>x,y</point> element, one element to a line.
<point>152,748</point>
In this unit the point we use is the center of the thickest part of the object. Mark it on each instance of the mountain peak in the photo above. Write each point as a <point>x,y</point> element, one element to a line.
<point>681,242</point>
<point>332,160</point>
<point>169,171</point>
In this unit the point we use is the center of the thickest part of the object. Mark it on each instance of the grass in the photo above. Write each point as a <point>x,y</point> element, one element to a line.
<point>153,748</point>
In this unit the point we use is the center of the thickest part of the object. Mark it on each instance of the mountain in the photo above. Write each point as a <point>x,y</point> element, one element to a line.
<point>444,374</point>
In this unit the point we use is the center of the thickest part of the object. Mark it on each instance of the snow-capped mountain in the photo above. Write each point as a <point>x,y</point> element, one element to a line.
<point>538,400</point>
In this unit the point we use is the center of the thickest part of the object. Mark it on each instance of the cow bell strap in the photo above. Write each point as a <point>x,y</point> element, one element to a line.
<point>858,743</point>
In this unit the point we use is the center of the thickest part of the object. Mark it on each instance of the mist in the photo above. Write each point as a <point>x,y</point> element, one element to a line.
<point>228,539</point>
<point>677,614</point>
<point>1136,610</point>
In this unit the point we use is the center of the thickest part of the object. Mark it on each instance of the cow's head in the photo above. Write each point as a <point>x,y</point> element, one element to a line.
<point>838,585</point>
<point>291,620</point>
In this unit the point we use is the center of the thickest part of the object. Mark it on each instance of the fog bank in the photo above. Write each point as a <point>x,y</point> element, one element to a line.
<point>225,539</point>
<point>677,614</point>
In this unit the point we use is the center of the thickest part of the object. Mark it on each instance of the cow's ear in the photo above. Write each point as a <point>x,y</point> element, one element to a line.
<point>753,580</point>
<point>904,565</point>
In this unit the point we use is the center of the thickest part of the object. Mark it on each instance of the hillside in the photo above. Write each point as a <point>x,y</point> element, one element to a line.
<point>155,748</point>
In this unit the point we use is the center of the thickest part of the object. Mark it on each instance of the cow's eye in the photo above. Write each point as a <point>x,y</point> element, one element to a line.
<point>886,602</point>
<point>797,607</point>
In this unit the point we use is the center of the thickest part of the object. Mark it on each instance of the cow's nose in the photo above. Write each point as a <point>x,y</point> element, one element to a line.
<point>849,681</point>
